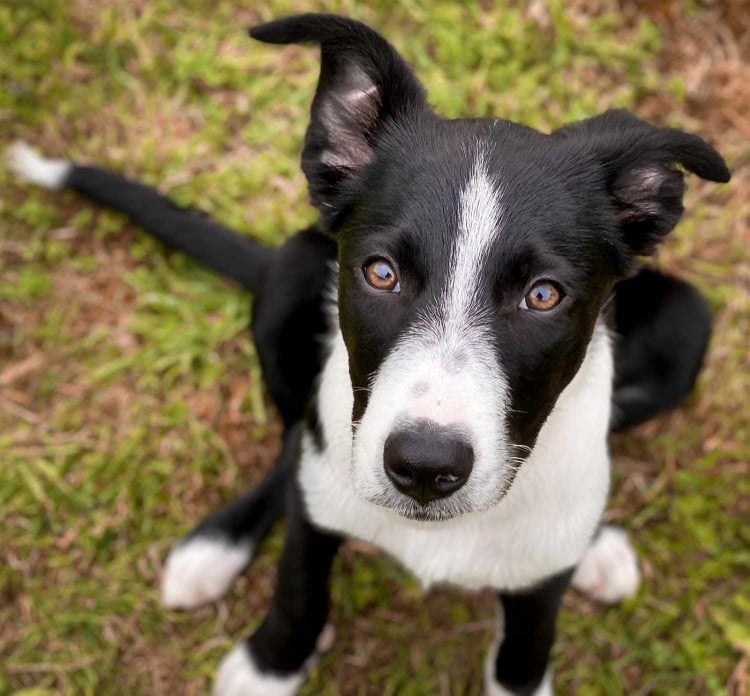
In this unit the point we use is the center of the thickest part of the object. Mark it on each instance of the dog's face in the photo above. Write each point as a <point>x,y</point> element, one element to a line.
<point>474,260</point>
<point>472,271</point>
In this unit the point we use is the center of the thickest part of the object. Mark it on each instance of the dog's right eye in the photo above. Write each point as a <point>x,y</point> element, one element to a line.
<point>381,275</point>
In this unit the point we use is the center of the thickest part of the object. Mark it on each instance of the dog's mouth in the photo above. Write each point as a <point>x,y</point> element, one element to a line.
<point>436,510</point>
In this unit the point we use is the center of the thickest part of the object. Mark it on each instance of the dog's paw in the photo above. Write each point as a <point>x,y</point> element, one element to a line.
<point>238,675</point>
<point>492,688</point>
<point>200,570</point>
<point>608,571</point>
<point>28,165</point>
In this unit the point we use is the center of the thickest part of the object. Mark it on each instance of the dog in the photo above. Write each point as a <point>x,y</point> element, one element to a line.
<point>488,321</point>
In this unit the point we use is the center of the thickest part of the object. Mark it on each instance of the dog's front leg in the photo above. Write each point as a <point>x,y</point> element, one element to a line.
<point>273,660</point>
<point>203,565</point>
<point>518,664</point>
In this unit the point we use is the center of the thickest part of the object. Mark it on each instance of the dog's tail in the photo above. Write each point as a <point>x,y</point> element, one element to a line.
<point>220,249</point>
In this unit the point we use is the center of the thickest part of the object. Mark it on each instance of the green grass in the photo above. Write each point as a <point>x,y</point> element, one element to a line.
<point>130,397</point>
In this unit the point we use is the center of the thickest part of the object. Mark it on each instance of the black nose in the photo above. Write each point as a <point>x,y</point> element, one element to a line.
<point>427,462</point>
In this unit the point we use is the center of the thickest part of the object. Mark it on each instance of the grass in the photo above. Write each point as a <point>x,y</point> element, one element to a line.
<point>131,401</point>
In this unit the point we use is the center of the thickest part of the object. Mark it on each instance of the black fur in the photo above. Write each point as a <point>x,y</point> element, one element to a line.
<point>641,165</point>
<point>222,250</point>
<point>290,321</point>
<point>659,347</point>
<point>364,84</point>
<point>528,625</point>
<point>299,608</point>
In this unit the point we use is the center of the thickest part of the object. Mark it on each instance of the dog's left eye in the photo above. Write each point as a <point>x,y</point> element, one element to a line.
<point>381,276</point>
<point>542,297</point>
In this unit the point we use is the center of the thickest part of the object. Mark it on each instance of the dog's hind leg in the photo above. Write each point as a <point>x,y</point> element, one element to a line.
<point>274,659</point>
<point>518,662</point>
<point>203,566</point>
<point>290,321</point>
<point>663,326</point>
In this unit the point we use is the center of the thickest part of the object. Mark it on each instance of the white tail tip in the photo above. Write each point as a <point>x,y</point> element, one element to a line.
<point>27,164</point>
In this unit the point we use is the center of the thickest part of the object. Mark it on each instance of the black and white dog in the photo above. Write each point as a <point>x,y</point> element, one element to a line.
<point>458,414</point>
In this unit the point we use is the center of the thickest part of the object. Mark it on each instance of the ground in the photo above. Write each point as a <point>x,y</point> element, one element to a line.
<point>130,397</point>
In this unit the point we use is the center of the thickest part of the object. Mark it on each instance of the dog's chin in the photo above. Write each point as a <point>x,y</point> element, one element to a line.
<point>434,511</point>
<point>427,513</point>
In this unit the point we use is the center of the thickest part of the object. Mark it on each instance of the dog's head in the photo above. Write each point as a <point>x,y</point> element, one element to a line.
<point>475,257</point>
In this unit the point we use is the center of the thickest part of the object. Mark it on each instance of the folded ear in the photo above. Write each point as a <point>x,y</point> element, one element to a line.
<point>643,167</point>
<point>363,85</point>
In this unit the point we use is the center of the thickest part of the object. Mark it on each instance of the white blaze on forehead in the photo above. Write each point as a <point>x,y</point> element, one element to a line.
<point>479,223</point>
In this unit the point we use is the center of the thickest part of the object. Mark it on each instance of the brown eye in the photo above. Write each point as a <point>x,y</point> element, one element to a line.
<point>380,275</point>
<point>542,297</point>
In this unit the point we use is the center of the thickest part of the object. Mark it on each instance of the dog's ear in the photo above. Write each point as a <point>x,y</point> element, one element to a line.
<point>363,85</point>
<point>643,167</point>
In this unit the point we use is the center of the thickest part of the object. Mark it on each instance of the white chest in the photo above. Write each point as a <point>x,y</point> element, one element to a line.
<point>542,526</point>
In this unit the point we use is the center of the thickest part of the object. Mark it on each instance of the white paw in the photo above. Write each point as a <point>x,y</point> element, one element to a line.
<point>201,570</point>
<point>239,676</point>
<point>28,165</point>
<point>492,688</point>
<point>608,571</point>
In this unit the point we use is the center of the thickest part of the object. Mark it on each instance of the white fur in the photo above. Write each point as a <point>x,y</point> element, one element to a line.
<point>492,688</point>
<point>201,570</point>
<point>27,164</point>
<point>445,371</point>
<point>479,227</point>
<point>544,523</point>
<point>608,572</point>
<point>239,676</point>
